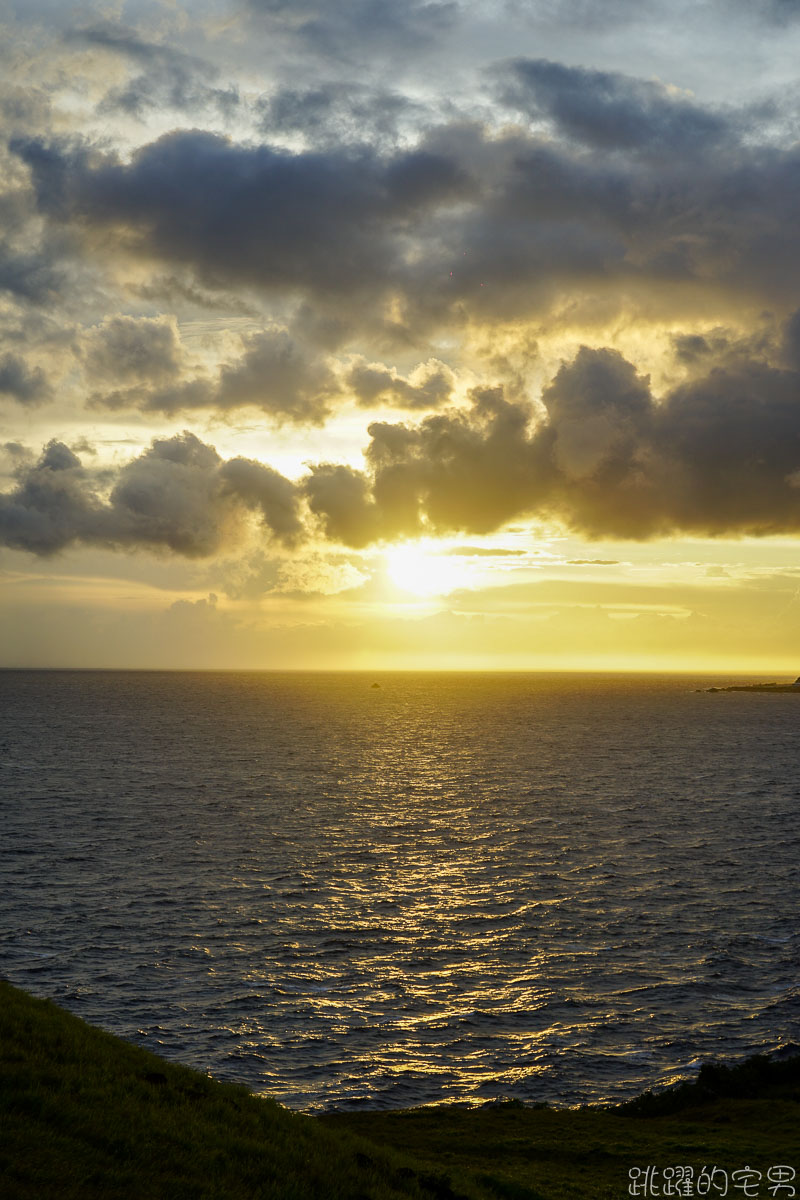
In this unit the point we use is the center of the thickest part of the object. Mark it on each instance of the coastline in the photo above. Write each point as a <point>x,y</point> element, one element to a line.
<point>87,1114</point>
<point>771,688</point>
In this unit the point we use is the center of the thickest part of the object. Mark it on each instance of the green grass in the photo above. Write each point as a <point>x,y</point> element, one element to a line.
<point>86,1115</point>
<point>731,1117</point>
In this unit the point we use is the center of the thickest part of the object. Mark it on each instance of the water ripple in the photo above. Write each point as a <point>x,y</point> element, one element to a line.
<point>448,888</point>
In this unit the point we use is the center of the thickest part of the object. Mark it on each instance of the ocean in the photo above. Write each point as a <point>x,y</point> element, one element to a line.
<point>383,890</point>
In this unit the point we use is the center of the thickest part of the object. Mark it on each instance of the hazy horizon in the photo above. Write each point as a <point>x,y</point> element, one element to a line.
<point>598,672</point>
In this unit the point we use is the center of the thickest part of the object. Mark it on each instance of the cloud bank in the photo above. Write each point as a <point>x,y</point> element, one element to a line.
<point>648,202</point>
<point>718,455</point>
<point>178,495</point>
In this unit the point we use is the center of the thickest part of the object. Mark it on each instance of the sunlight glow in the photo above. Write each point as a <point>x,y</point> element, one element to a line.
<point>416,568</point>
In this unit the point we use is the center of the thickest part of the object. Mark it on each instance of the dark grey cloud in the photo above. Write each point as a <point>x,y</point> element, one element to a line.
<point>340,497</point>
<point>284,378</point>
<point>16,452</point>
<point>731,443</point>
<point>178,495</point>
<point>612,111</point>
<point>30,276</point>
<point>28,385</point>
<point>557,224</point>
<point>718,456</point>
<point>430,386</point>
<point>352,29</point>
<point>692,348</point>
<point>732,349</point>
<point>611,14</point>
<point>167,78</point>
<point>131,350</point>
<point>457,471</point>
<point>599,411</point>
<point>171,291</point>
<point>24,108</point>
<point>267,492</point>
<point>335,113</point>
<point>171,397</point>
<point>791,340</point>
<point>466,227</point>
<point>51,506</point>
<point>170,496</point>
<point>777,12</point>
<point>330,223</point>
<point>281,377</point>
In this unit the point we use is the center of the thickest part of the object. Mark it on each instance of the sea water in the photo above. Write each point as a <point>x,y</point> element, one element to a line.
<point>392,890</point>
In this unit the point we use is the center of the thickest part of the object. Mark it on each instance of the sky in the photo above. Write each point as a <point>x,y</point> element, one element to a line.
<point>451,334</point>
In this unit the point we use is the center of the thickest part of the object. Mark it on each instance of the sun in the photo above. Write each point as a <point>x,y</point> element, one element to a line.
<point>417,568</point>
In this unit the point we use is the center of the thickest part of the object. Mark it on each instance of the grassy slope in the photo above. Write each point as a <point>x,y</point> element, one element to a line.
<point>87,1116</point>
<point>83,1114</point>
<point>747,1115</point>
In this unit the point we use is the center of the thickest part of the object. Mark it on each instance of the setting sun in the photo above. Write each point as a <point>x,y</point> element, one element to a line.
<point>417,568</point>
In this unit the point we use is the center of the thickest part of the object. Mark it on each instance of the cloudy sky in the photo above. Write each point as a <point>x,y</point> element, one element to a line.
<point>450,333</point>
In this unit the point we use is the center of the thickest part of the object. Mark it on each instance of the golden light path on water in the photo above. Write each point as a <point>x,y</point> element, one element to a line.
<point>350,889</point>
